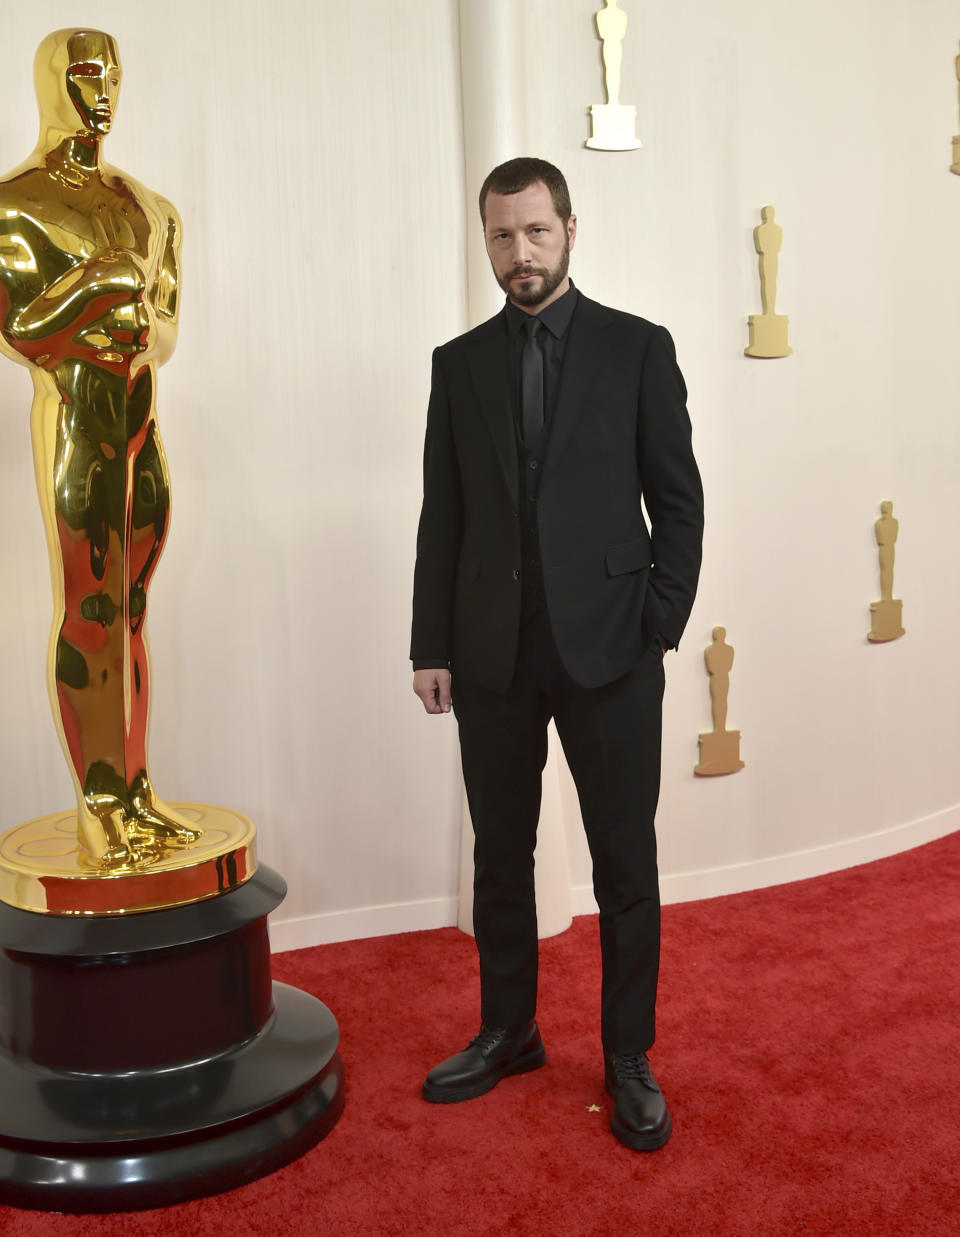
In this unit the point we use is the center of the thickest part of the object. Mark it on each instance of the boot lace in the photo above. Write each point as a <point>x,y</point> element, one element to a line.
<point>487,1038</point>
<point>633,1068</point>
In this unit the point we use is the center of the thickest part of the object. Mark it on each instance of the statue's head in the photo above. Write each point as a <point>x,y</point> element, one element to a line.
<point>886,508</point>
<point>719,634</point>
<point>767,214</point>
<point>77,76</point>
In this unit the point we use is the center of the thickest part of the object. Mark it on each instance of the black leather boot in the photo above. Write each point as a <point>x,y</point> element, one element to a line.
<point>640,1117</point>
<point>494,1053</point>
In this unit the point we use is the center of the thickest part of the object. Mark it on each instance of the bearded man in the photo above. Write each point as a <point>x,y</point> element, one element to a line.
<point>541,593</point>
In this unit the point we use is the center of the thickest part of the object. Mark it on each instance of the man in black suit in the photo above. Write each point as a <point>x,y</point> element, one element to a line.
<point>539,592</point>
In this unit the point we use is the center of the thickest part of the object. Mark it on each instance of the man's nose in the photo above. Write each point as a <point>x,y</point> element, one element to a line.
<point>521,253</point>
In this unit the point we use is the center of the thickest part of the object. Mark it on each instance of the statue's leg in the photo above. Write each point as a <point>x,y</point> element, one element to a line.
<point>718,701</point>
<point>149,516</point>
<point>769,263</point>
<point>612,50</point>
<point>101,832</point>
<point>103,825</point>
<point>886,572</point>
<point>86,511</point>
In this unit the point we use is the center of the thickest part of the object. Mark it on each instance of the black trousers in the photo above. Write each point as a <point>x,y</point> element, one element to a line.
<point>611,739</point>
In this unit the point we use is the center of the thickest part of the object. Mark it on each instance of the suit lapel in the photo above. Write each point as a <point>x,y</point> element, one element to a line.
<point>583,357</point>
<point>487,360</point>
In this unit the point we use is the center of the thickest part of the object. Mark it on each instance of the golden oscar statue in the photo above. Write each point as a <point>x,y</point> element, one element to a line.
<point>768,330</point>
<point>89,293</point>
<point>720,747</point>
<point>613,123</point>
<point>144,1048</point>
<point>886,615</point>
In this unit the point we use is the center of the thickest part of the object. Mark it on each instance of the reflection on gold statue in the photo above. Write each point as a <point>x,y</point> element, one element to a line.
<point>720,748</point>
<point>768,330</point>
<point>88,301</point>
<point>613,123</point>
<point>887,613</point>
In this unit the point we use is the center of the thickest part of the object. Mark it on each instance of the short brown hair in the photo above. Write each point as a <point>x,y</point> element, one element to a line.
<point>518,174</point>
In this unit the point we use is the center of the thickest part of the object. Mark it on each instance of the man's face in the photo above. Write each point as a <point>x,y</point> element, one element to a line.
<point>528,245</point>
<point>93,81</point>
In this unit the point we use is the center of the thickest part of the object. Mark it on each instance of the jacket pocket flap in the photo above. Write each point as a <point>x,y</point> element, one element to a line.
<point>628,556</point>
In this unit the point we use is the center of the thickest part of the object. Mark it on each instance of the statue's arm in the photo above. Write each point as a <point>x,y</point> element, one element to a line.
<point>39,308</point>
<point>166,290</point>
<point>19,279</point>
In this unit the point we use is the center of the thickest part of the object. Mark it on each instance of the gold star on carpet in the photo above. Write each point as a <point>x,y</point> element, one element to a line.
<point>594,1108</point>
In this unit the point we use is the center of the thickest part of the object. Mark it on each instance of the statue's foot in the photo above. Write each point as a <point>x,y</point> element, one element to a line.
<point>161,826</point>
<point>101,828</point>
<point>156,820</point>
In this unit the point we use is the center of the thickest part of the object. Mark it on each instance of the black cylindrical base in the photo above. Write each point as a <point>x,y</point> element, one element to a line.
<point>150,1060</point>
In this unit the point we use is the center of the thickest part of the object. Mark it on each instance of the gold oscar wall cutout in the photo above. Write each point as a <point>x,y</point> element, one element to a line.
<point>613,124</point>
<point>886,615</point>
<point>955,166</point>
<point>89,301</point>
<point>768,330</point>
<point>719,748</point>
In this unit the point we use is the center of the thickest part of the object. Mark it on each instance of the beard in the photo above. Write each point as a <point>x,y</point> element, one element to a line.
<point>536,294</point>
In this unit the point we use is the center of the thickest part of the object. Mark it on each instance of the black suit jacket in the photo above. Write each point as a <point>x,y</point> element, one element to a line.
<point>619,429</point>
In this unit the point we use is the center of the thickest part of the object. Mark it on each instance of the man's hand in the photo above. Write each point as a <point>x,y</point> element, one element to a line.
<point>433,688</point>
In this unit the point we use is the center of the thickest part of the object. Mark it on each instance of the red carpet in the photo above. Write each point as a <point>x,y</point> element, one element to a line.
<point>808,1048</point>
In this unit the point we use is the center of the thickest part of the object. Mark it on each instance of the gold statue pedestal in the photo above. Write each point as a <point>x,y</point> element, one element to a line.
<point>614,127</point>
<point>147,1059</point>
<point>768,336</point>
<point>886,621</point>
<point>43,867</point>
<point>719,753</point>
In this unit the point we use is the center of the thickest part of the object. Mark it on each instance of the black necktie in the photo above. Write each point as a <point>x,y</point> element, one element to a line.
<point>531,382</point>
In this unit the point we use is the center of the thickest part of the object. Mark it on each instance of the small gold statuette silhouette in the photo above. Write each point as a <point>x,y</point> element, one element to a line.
<point>719,748</point>
<point>768,330</point>
<point>886,615</point>
<point>613,124</point>
<point>89,298</point>
<point>955,166</point>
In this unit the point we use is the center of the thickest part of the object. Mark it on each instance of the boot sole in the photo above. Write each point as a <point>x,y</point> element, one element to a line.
<point>651,1140</point>
<point>453,1095</point>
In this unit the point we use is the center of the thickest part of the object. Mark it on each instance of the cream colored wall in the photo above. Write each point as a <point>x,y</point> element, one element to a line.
<point>841,116</point>
<point>315,151</point>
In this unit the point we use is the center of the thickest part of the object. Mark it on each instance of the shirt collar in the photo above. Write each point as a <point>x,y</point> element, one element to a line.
<point>555,317</point>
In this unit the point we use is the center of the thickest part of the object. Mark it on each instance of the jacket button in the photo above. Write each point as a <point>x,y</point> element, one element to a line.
<point>534,464</point>
<point>516,573</point>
